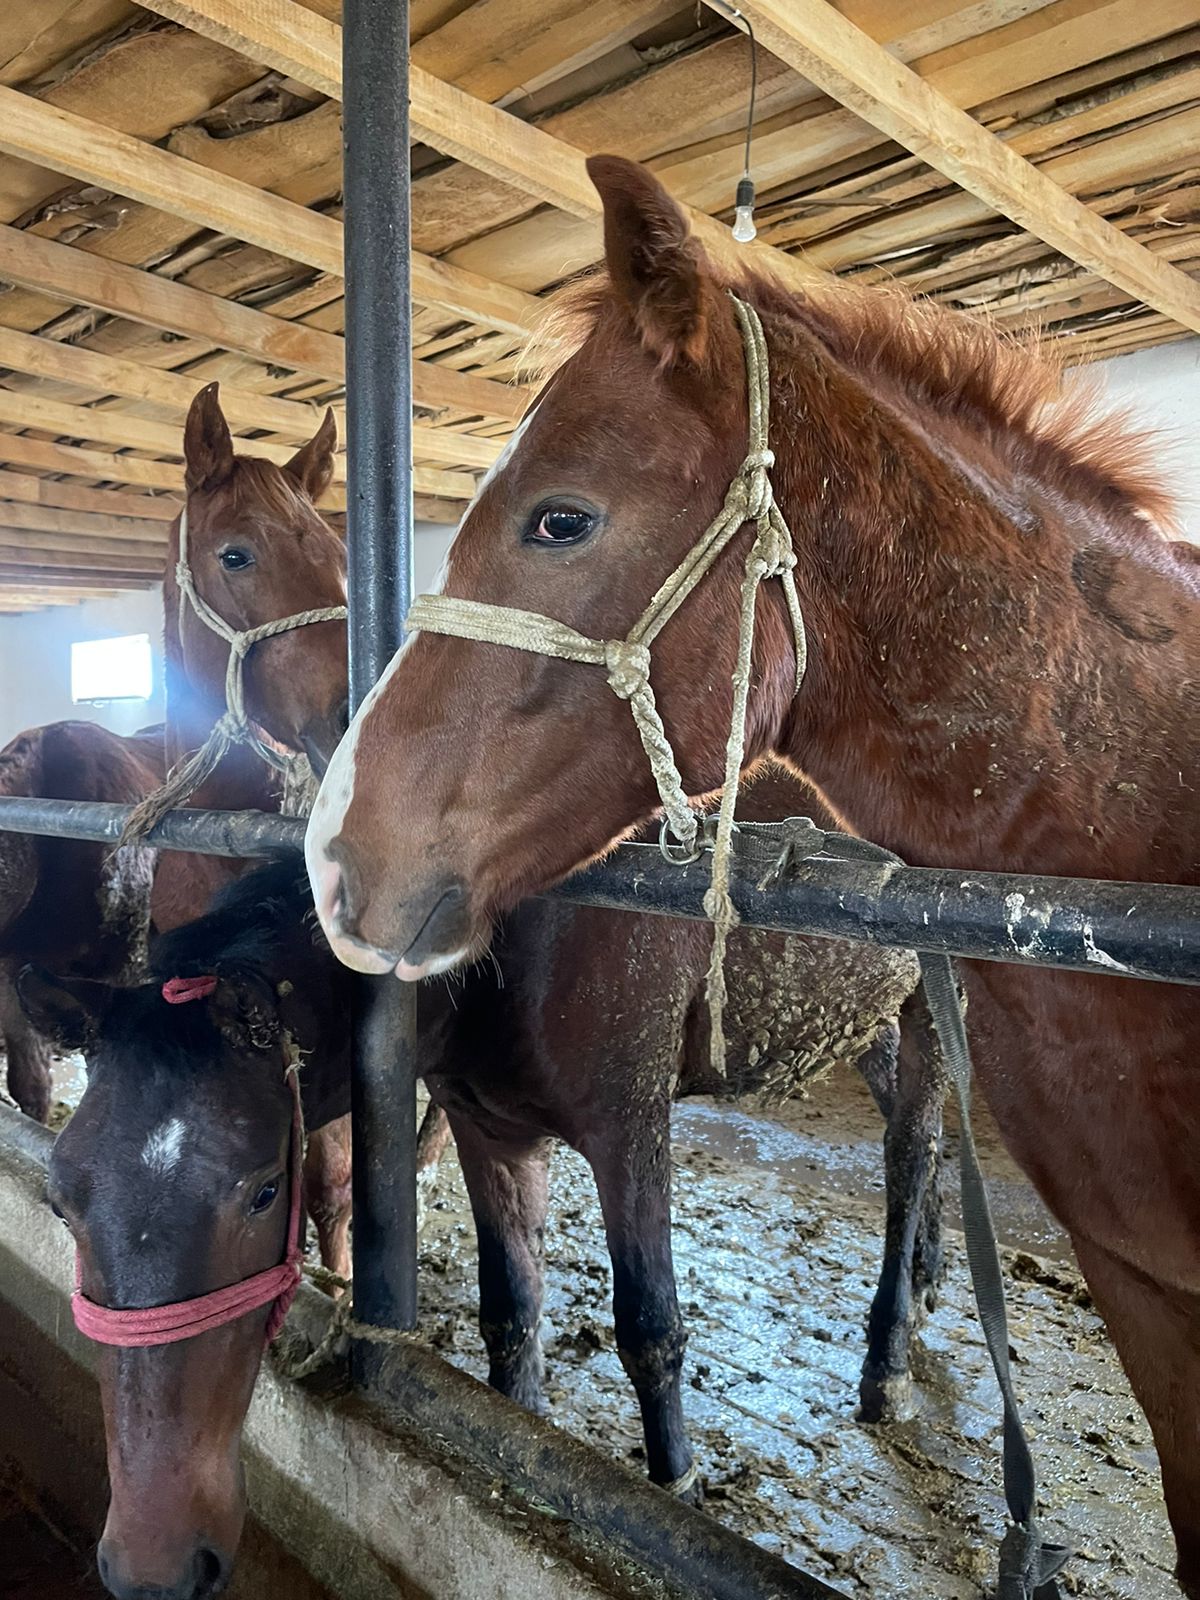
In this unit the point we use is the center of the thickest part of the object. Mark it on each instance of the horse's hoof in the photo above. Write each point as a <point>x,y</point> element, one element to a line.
<point>928,1297</point>
<point>886,1399</point>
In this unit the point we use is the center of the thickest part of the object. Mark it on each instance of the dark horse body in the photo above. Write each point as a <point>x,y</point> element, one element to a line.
<point>1002,673</point>
<point>566,1047</point>
<point>78,907</point>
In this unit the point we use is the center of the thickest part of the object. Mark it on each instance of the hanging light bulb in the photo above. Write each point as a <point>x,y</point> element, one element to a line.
<point>743,216</point>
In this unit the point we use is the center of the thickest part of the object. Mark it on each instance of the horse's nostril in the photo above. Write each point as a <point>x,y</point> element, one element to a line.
<point>210,1572</point>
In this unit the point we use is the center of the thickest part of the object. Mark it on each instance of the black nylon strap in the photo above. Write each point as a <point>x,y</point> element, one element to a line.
<point>1028,1568</point>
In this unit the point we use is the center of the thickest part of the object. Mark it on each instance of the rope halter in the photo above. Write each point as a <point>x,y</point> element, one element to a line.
<point>749,498</point>
<point>234,726</point>
<point>184,1319</point>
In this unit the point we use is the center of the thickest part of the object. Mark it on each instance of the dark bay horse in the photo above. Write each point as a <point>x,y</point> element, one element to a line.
<point>78,907</point>
<point>173,1175</point>
<point>1002,673</point>
<point>171,1172</point>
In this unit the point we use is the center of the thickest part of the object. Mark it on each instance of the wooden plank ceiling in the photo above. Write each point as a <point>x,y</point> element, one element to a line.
<point>170,209</point>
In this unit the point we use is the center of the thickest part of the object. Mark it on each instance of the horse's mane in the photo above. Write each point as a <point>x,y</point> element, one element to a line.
<point>953,363</point>
<point>246,928</point>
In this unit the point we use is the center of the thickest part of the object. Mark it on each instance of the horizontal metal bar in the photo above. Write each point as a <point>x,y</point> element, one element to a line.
<point>1134,930</point>
<point>204,833</point>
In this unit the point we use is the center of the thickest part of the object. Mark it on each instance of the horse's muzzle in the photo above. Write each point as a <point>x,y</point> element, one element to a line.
<point>204,1576</point>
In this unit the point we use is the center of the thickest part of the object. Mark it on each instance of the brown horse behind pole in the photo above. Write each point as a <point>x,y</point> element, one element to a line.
<point>1003,674</point>
<point>259,550</point>
<point>69,904</point>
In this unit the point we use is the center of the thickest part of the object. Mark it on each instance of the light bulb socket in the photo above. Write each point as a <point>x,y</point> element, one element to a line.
<point>745,192</point>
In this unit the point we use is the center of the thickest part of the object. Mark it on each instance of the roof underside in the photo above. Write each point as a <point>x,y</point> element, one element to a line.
<point>194,149</point>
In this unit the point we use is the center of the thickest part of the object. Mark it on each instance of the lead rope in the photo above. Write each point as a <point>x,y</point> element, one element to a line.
<point>234,726</point>
<point>749,498</point>
<point>1028,1568</point>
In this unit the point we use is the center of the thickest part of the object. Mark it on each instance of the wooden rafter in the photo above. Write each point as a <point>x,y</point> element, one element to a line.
<point>146,297</point>
<point>308,47</point>
<point>818,42</point>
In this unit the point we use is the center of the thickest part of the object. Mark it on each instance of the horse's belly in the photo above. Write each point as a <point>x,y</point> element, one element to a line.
<point>1095,1085</point>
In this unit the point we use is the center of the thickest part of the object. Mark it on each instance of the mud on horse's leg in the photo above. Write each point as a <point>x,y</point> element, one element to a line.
<point>28,1053</point>
<point>903,1072</point>
<point>327,1192</point>
<point>507,1185</point>
<point>631,1161</point>
<point>1156,1329</point>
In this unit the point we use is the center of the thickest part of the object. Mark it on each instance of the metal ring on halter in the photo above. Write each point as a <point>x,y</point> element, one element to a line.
<point>669,844</point>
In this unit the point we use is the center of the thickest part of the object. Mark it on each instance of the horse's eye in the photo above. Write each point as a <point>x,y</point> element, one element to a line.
<point>561,525</point>
<point>57,1210</point>
<point>234,560</point>
<point>265,1197</point>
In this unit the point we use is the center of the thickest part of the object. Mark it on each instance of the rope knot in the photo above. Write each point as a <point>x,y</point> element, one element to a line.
<point>759,494</point>
<point>628,666</point>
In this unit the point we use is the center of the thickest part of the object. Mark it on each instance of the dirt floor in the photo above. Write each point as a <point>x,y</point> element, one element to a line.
<point>776,1244</point>
<point>38,1562</point>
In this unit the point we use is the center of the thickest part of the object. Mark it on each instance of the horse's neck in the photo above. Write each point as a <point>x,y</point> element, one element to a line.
<point>964,705</point>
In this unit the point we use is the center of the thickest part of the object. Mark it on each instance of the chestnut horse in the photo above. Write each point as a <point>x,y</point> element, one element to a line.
<point>259,551</point>
<point>1002,672</point>
<point>76,906</point>
<point>595,1027</point>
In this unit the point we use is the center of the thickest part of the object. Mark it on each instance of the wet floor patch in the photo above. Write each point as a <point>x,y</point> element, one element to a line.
<point>777,1244</point>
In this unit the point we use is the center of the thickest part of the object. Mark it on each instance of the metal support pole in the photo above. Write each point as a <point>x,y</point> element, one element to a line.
<point>379,548</point>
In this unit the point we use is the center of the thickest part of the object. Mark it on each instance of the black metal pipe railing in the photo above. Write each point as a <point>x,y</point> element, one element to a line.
<point>1135,930</point>
<point>375,184</point>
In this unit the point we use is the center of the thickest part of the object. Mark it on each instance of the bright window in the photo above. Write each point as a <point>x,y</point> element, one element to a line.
<point>112,669</point>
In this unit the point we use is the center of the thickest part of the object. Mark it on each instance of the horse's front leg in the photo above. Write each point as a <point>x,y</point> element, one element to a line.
<point>630,1156</point>
<point>28,1053</point>
<point>327,1192</point>
<point>902,1070</point>
<point>507,1184</point>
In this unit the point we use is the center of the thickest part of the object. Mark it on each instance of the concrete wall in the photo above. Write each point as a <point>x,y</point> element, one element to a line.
<point>35,651</point>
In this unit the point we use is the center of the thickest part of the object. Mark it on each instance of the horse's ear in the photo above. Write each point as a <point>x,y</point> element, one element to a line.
<point>207,446</point>
<point>66,1011</point>
<point>657,268</point>
<point>246,1011</point>
<point>312,465</point>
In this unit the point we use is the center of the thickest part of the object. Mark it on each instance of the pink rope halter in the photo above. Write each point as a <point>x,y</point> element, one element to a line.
<point>184,1319</point>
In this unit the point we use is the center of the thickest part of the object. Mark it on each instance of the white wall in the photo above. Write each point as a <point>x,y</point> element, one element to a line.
<point>35,663</point>
<point>1161,387</point>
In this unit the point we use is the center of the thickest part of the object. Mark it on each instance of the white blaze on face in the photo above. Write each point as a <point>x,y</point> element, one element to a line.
<point>164,1146</point>
<point>337,786</point>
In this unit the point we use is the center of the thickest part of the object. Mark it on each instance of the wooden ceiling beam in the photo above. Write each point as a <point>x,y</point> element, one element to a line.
<point>308,47</point>
<point>28,409</point>
<point>81,278</point>
<point>50,577</point>
<point>173,393</point>
<point>70,497</point>
<point>821,45</point>
<point>50,519</point>
<point>82,544</point>
<point>90,151</point>
<point>42,455</point>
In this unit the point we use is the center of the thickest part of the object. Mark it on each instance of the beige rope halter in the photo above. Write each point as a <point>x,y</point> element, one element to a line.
<point>234,726</point>
<point>749,498</point>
